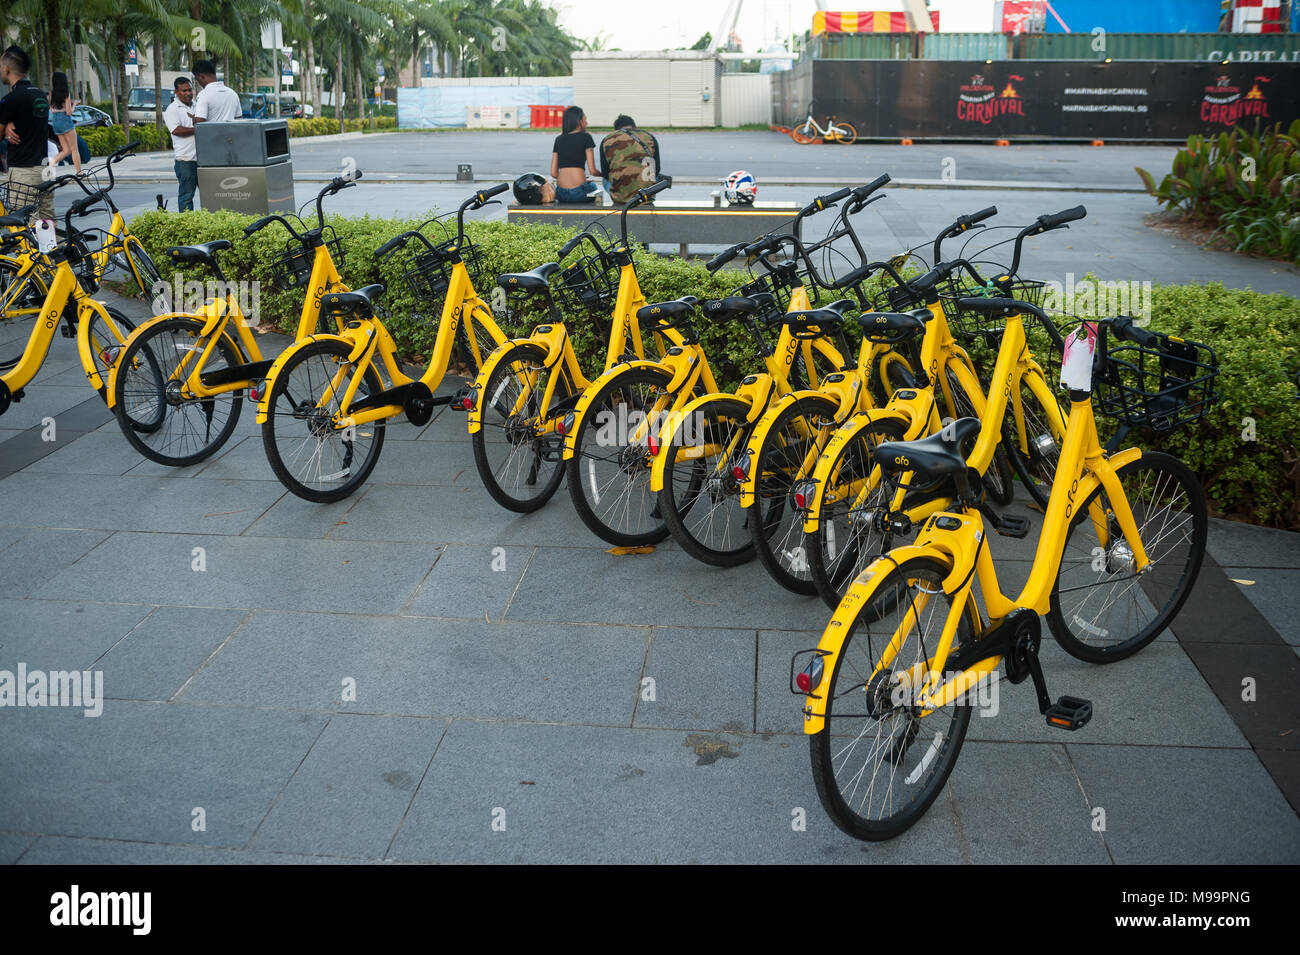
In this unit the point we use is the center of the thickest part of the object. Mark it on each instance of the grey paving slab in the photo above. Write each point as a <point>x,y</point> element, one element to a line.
<point>243,459</point>
<point>683,593</point>
<point>421,666</point>
<point>587,795</point>
<point>138,771</point>
<point>100,452</point>
<point>31,557</point>
<point>54,635</point>
<point>159,655</point>
<point>442,463</point>
<point>1244,545</point>
<point>1022,805</point>
<point>1167,806</point>
<point>349,795</point>
<point>471,581</point>
<point>13,845</point>
<point>358,577</point>
<point>1275,593</point>
<point>64,850</point>
<point>1156,696</point>
<point>292,517</point>
<point>703,679</point>
<point>1257,687</point>
<point>151,504</point>
<point>455,515</point>
<point>45,401</point>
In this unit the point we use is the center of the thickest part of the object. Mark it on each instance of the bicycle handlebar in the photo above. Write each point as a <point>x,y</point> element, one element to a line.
<point>722,258</point>
<point>1011,306</point>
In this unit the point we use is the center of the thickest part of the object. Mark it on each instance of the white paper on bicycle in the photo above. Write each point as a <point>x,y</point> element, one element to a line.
<point>45,238</point>
<point>1076,360</point>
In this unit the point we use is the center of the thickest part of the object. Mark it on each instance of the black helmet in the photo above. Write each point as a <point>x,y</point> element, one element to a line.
<point>528,189</point>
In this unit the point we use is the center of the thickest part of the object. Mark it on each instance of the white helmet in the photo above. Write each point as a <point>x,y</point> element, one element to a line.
<point>740,188</point>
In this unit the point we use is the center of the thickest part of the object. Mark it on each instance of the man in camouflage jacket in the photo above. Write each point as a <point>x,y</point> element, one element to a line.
<point>629,159</point>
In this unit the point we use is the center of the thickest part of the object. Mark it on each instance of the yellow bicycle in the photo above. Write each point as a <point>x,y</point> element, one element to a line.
<point>886,692</point>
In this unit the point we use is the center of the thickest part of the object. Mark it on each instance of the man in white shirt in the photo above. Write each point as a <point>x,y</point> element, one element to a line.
<point>180,123</point>
<point>216,102</point>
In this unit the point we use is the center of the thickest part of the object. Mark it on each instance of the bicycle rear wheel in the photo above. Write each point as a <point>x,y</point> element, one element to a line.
<point>849,134</point>
<point>847,538</point>
<point>21,299</point>
<point>609,473</point>
<point>141,266</point>
<point>312,458</point>
<point>788,455</point>
<point>700,499</point>
<point>877,763</point>
<point>153,410</point>
<point>1101,610</point>
<point>521,464</point>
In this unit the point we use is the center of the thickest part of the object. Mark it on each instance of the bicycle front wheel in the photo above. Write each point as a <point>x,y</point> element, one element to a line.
<point>519,456</point>
<point>155,413</point>
<point>609,473</point>
<point>788,455</point>
<point>21,299</point>
<point>1036,457</point>
<point>877,763</point>
<point>311,457</point>
<point>997,477</point>
<point>1102,610</point>
<point>700,499</point>
<point>141,266</point>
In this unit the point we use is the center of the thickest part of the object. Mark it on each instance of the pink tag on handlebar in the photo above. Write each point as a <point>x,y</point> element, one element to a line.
<point>1076,362</point>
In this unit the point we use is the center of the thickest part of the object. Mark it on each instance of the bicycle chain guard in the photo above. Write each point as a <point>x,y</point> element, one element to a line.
<point>418,404</point>
<point>5,398</point>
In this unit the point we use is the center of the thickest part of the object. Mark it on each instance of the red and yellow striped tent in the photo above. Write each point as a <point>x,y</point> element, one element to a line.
<point>864,21</point>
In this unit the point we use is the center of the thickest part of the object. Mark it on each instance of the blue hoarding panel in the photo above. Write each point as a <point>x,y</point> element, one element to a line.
<point>1126,16</point>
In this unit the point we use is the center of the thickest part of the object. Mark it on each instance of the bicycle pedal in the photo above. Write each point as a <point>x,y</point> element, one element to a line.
<point>1069,712</point>
<point>1009,525</point>
<point>463,399</point>
<point>552,449</point>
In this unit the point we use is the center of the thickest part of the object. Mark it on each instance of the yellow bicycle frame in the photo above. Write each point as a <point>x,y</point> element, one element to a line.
<point>1082,467</point>
<point>63,286</point>
<point>367,338</point>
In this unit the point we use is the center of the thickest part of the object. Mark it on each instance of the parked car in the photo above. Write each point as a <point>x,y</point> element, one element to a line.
<point>141,103</point>
<point>290,108</point>
<point>84,115</point>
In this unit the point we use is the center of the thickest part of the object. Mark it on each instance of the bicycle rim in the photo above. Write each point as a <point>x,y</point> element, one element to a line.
<point>877,764</point>
<point>1036,461</point>
<point>1101,610</point>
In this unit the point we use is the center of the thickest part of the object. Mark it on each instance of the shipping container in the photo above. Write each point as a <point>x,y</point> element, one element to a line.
<point>965,46</point>
<point>863,46</point>
<point>1196,47</point>
<point>669,88</point>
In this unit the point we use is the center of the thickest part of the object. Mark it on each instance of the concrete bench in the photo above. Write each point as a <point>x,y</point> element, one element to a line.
<point>681,222</point>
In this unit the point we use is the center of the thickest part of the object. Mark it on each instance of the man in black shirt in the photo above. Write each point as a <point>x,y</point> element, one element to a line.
<point>25,117</point>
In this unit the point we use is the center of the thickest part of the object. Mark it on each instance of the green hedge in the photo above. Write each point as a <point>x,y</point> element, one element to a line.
<point>1255,336</point>
<point>103,140</point>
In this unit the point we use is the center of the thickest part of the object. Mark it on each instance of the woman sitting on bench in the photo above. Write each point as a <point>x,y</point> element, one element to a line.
<point>573,156</point>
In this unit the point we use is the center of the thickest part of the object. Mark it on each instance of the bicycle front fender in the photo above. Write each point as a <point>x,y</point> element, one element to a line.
<point>264,406</point>
<point>821,475</point>
<point>669,431</point>
<point>757,439</point>
<point>485,374</point>
<point>860,591</point>
<point>589,395</point>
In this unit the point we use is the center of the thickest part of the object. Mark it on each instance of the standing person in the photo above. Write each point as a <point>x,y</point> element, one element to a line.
<point>216,102</point>
<point>629,159</point>
<point>25,117</point>
<point>61,122</point>
<point>572,158</point>
<point>180,123</point>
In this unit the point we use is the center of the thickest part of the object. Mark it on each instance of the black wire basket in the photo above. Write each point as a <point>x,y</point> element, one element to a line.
<point>968,324</point>
<point>772,313</point>
<point>589,283</point>
<point>292,269</point>
<point>1160,387</point>
<point>16,195</point>
<point>428,273</point>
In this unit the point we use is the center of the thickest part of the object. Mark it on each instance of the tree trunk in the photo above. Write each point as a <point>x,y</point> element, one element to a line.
<point>415,57</point>
<point>157,81</point>
<point>338,85</point>
<point>119,47</point>
<point>309,67</point>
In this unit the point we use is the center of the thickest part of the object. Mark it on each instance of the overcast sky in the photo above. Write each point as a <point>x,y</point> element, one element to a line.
<point>666,24</point>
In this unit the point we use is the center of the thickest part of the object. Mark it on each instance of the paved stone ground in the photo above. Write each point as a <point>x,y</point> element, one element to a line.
<point>517,690</point>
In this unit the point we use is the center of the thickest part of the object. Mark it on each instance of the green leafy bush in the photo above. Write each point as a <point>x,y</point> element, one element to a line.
<point>103,140</point>
<point>1244,185</point>
<point>1250,468</point>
